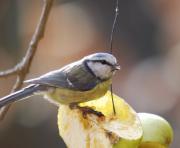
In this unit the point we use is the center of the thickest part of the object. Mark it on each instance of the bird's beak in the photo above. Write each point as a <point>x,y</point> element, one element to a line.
<point>116,67</point>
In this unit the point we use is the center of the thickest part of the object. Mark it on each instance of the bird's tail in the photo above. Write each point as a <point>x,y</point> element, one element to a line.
<point>21,94</point>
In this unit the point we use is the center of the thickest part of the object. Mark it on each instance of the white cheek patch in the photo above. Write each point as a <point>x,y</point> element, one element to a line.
<point>103,71</point>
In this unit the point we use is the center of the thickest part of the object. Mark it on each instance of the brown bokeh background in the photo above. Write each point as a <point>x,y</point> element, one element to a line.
<point>147,45</point>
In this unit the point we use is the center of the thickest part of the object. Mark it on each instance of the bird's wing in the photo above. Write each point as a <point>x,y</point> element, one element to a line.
<point>74,77</point>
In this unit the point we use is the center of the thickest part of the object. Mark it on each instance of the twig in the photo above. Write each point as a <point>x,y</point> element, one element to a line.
<point>22,68</point>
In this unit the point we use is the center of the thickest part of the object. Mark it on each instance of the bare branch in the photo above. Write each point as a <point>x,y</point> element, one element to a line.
<point>8,72</point>
<point>22,68</point>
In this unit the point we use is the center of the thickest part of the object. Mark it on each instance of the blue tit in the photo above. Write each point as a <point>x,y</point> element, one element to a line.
<point>80,81</point>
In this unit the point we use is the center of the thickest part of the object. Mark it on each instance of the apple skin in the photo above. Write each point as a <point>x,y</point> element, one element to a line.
<point>157,132</point>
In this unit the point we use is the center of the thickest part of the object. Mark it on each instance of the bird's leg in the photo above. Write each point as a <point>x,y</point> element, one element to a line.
<point>85,110</point>
<point>73,106</point>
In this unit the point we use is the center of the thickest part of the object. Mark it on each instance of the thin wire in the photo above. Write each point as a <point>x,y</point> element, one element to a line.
<point>112,98</point>
<point>114,24</point>
<point>111,47</point>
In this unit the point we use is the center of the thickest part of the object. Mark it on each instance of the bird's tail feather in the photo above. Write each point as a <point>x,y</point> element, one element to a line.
<point>21,94</point>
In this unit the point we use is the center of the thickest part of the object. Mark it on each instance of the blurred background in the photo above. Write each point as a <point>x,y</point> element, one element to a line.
<point>146,43</point>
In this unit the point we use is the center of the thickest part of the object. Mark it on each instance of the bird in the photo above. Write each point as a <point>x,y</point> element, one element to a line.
<point>86,79</point>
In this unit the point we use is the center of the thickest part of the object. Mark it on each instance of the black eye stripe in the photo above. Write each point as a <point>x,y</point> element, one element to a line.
<point>103,62</point>
<point>100,61</point>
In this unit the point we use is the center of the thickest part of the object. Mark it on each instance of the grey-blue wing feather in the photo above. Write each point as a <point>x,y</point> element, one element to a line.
<point>74,77</point>
<point>21,94</point>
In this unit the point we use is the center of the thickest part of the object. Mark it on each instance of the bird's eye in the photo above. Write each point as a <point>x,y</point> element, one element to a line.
<point>103,62</point>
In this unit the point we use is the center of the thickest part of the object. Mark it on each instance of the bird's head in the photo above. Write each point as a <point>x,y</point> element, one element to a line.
<point>102,65</point>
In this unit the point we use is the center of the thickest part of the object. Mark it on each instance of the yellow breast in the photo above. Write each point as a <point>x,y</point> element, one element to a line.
<point>66,96</point>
